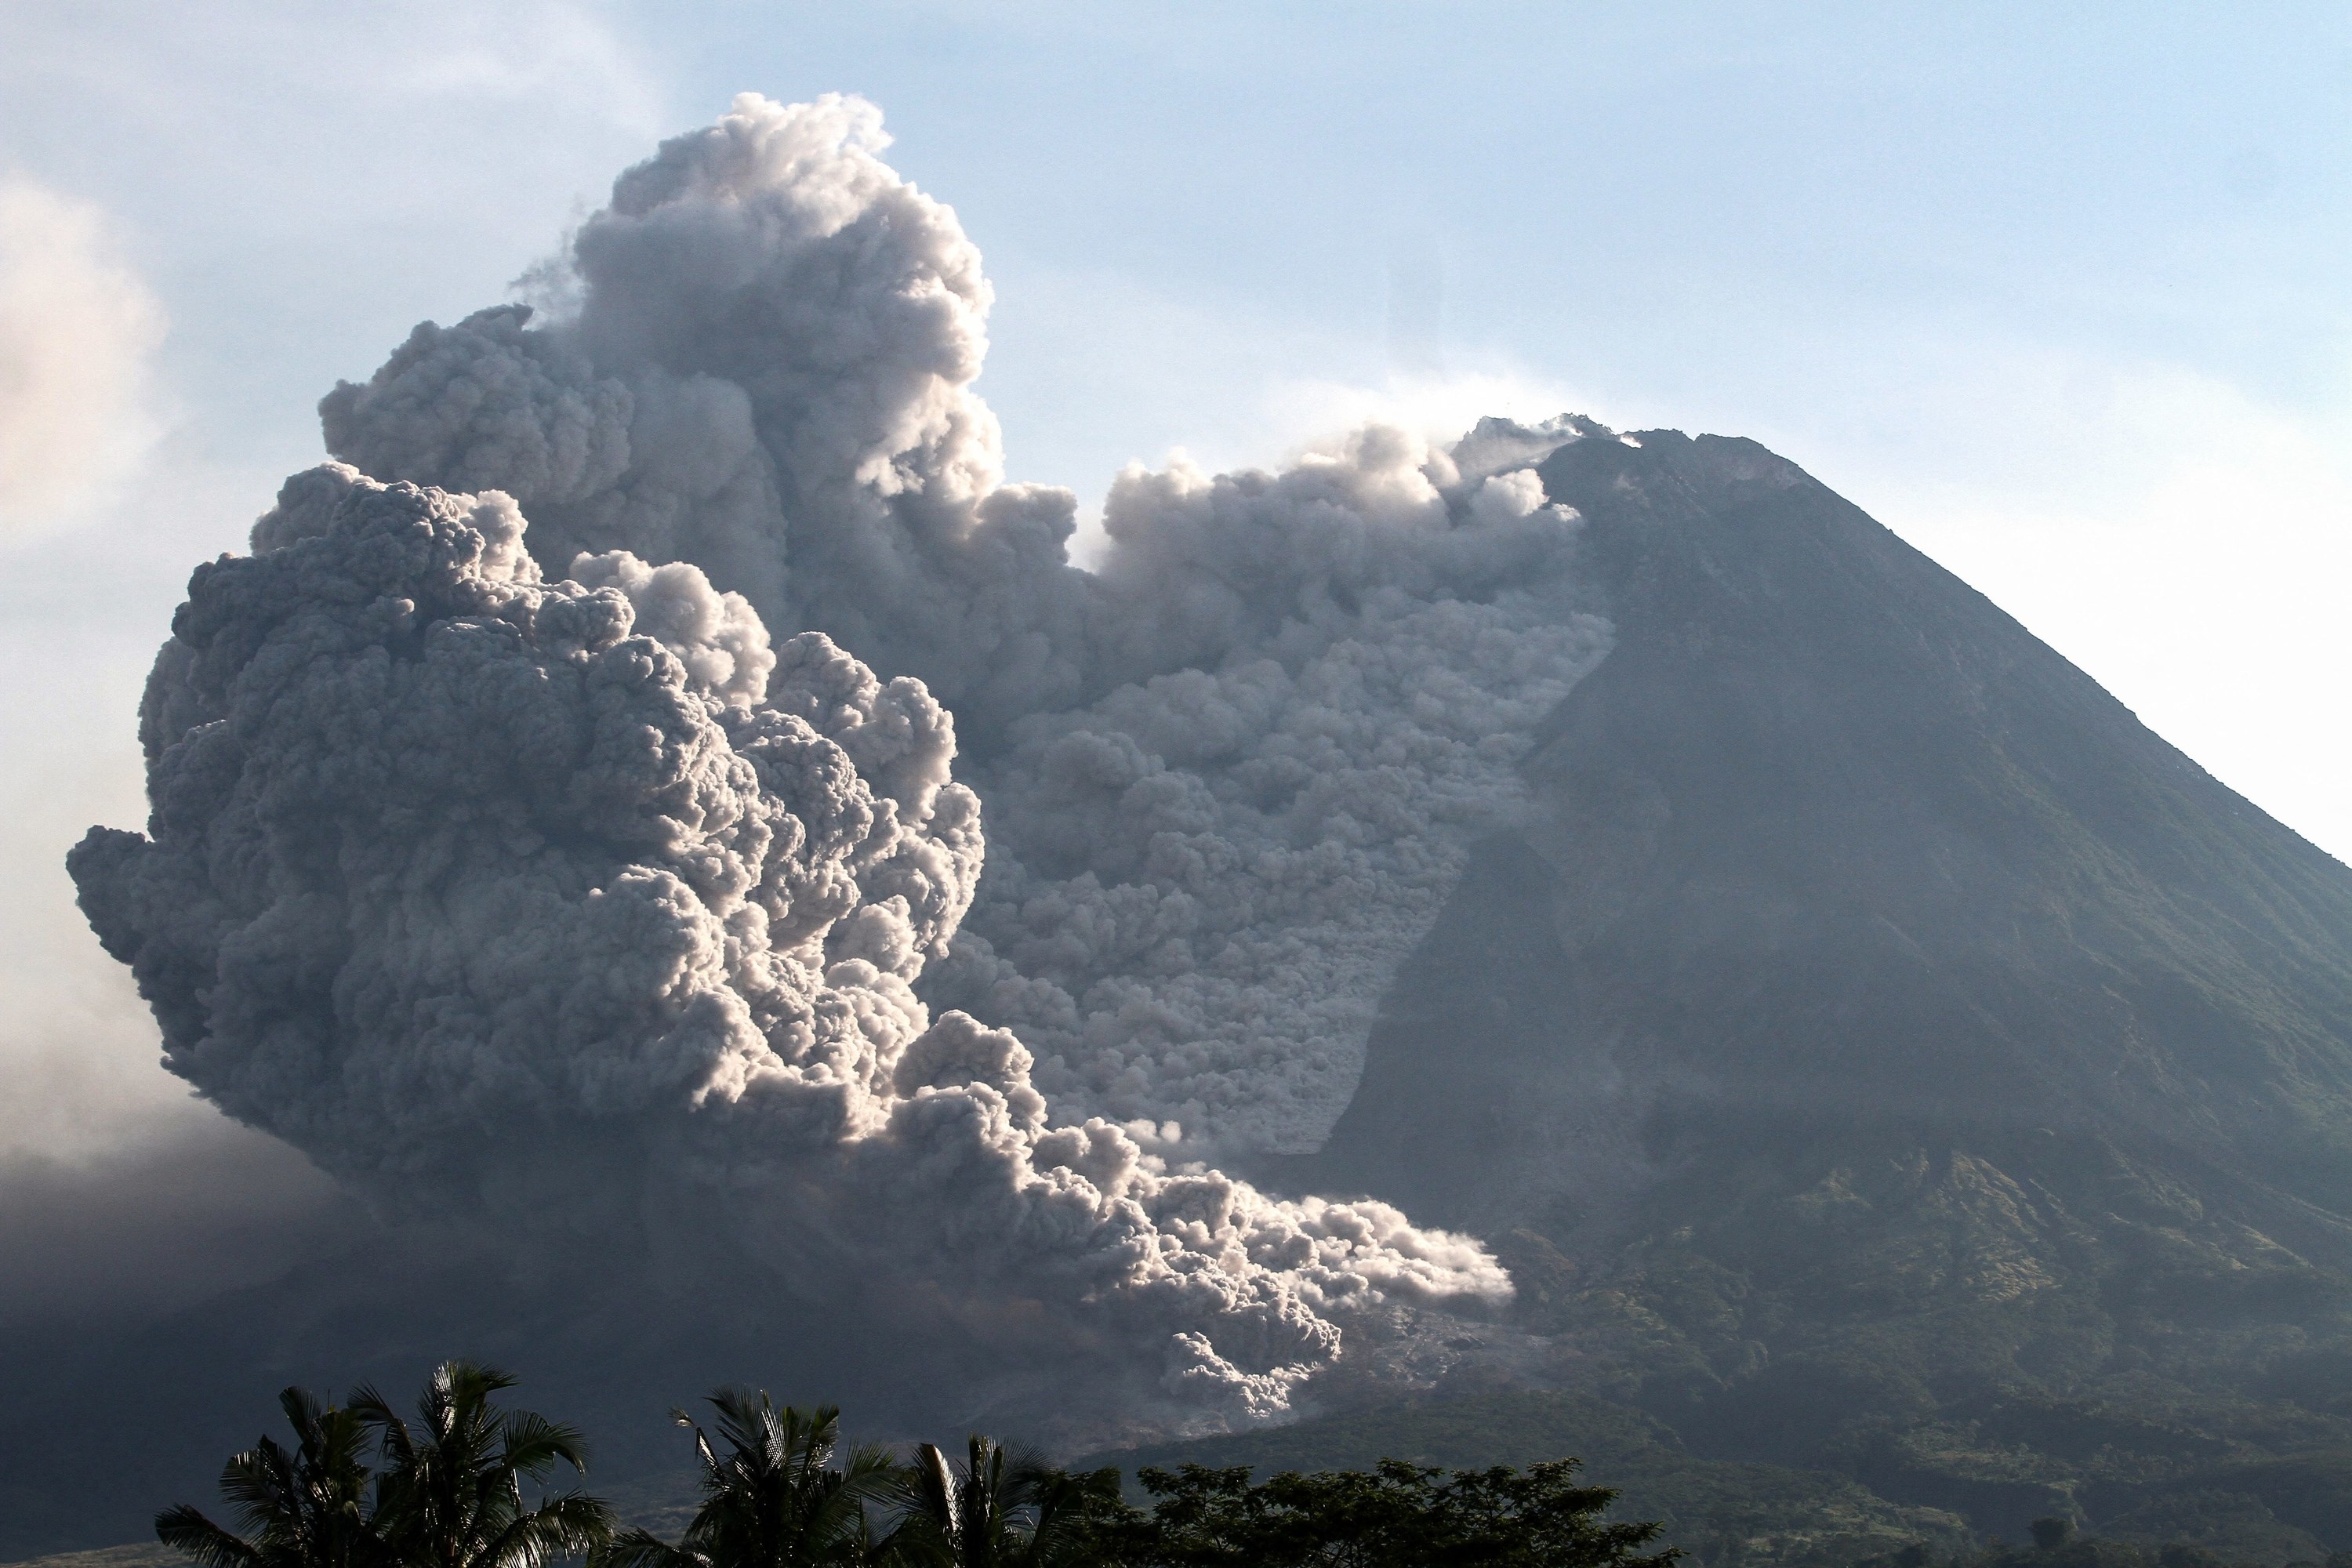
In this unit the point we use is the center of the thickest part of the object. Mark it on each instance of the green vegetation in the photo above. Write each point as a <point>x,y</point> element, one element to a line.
<point>2146,1478</point>
<point>1003,1509</point>
<point>775,1495</point>
<point>1479,1481</point>
<point>303,1510</point>
<point>1714,1510</point>
<point>1395,1515</point>
<point>777,1491</point>
<point>449,1494</point>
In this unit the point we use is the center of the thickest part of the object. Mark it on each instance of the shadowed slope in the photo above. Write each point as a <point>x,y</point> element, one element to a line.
<point>1877,1018</point>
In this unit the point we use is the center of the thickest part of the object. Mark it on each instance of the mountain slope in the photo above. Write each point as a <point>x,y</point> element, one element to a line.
<point>1709,1508</point>
<point>1880,1027</point>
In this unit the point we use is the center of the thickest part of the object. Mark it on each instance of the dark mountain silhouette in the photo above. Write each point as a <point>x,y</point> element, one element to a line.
<point>1886,1053</point>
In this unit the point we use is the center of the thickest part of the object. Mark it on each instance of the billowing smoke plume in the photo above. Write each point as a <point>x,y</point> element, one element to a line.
<point>1200,885</point>
<point>769,375</point>
<point>613,858</point>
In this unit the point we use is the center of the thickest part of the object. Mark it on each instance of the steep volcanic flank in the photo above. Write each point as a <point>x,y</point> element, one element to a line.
<point>1884,1051</point>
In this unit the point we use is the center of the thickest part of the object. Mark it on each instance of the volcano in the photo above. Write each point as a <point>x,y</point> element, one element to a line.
<point>1881,1052</point>
<point>1904,1088</point>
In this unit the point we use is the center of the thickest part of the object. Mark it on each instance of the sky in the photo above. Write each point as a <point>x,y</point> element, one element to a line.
<point>2057,293</point>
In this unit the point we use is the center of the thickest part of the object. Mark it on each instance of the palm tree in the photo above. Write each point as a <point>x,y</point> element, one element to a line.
<point>998,1508</point>
<point>775,1497</point>
<point>451,1494</point>
<point>304,1509</point>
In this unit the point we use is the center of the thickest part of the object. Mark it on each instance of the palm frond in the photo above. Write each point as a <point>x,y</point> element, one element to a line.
<point>260,1485</point>
<point>187,1531</point>
<point>375,1412</point>
<point>643,1549</point>
<point>532,1445</point>
<point>931,1509</point>
<point>871,1470</point>
<point>566,1525</point>
<point>303,1413</point>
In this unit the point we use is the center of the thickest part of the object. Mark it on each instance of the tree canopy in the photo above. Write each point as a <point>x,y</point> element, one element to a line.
<point>1395,1515</point>
<point>447,1489</point>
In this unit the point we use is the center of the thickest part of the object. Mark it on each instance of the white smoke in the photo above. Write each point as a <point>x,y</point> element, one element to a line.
<point>76,326</point>
<point>480,886</point>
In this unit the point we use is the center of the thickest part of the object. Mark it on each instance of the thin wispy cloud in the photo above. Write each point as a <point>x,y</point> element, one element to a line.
<point>78,326</point>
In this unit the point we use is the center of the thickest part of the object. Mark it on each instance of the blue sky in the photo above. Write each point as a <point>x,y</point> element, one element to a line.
<point>2059,293</point>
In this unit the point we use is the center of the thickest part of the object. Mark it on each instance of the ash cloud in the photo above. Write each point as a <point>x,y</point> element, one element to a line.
<point>769,374</point>
<point>559,810</point>
<point>479,894</point>
<point>208,1211</point>
<point>1200,884</point>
